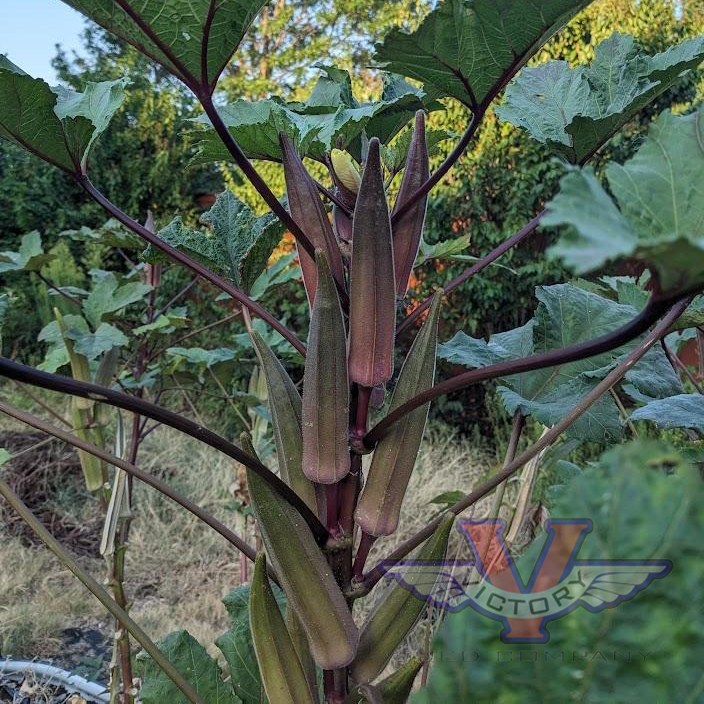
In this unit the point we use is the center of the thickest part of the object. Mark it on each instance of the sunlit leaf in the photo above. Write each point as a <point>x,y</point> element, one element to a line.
<point>657,215</point>
<point>575,110</point>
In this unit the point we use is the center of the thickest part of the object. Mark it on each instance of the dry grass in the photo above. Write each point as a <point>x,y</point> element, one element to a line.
<point>178,569</point>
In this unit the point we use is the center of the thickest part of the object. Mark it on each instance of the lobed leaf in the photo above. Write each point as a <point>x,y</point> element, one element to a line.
<point>30,256</point>
<point>237,245</point>
<point>468,50</point>
<point>193,39</point>
<point>576,110</point>
<point>56,124</point>
<point>656,214</point>
<point>567,314</point>
<point>680,411</point>
<point>192,661</point>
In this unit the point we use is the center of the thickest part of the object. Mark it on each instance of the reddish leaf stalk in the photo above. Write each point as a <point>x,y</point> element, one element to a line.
<point>72,387</point>
<point>365,545</point>
<point>193,265</point>
<point>582,350</point>
<point>527,230</point>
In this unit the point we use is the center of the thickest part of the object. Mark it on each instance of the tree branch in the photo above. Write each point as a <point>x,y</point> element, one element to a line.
<point>73,387</point>
<point>100,594</point>
<point>476,268</point>
<point>186,261</point>
<point>582,350</point>
<point>372,577</point>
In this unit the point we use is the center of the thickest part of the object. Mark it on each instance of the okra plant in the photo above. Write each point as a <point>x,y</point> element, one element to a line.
<point>590,354</point>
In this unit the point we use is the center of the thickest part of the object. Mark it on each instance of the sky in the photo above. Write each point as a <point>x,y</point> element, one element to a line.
<point>29,30</point>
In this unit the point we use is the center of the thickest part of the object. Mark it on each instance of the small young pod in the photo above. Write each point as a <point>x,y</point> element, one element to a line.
<point>389,624</point>
<point>305,576</point>
<point>394,457</point>
<point>372,288</point>
<point>281,671</point>
<point>326,455</point>
<point>408,230</point>
<point>309,212</point>
<point>285,406</point>
<point>394,689</point>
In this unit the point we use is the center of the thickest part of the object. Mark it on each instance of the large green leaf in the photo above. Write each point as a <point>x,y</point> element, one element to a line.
<point>329,117</point>
<point>567,314</point>
<point>57,355</point>
<point>109,296</point>
<point>238,648</point>
<point>56,124</point>
<point>30,256</point>
<point>93,344</point>
<point>112,234</point>
<point>469,49</point>
<point>193,39</point>
<point>237,245</point>
<point>575,110</point>
<point>191,659</point>
<point>680,411</point>
<point>645,503</point>
<point>658,212</point>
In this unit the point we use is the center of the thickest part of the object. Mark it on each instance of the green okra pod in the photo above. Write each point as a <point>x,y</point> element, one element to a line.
<point>309,212</point>
<point>389,624</point>
<point>305,576</point>
<point>286,414</point>
<point>83,414</point>
<point>394,689</point>
<point>407,232</point>
<point>394,457</point>
<point>372,288</point>
<point>326,456</point>
<point>281,671</point>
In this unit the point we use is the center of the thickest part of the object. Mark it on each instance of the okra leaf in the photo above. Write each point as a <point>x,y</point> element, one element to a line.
<point>238,244</point>
<point>469,50</point>
<point>93,344</point>
<point>58,125</point>
<point>56,355</point>
<point>178,34</point>
<point>567,314</point>
<point>112,234</point>
<point>329,117</point>
<point>30,256</point>
<point>646,503</point>
<point>109,296</point>
<point>576,110</point>
<point>656,214</point>
<point>681,411</point>
<point>192,661</point>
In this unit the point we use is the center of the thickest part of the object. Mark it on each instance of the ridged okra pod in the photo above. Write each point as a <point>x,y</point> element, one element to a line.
<point>390,622</point>
<point>281,671</point>
<point>309,212</point>
<point>408,230</point>
<point>326,457</point>
<point>395,455</point>
<point>372,289</point>
<point>286,414</point>
<point>305,576</point>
